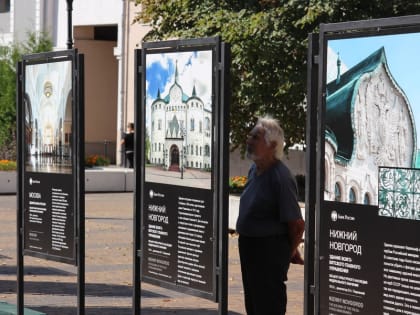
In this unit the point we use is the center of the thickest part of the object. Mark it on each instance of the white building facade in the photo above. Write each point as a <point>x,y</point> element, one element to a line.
<point>369,124</point>
<point>180,135</point>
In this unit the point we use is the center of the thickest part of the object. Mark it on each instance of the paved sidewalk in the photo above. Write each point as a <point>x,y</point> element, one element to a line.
<point>50,287</point>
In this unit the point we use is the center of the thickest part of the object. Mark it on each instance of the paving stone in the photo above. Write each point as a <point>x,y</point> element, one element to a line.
<point>51,287</point>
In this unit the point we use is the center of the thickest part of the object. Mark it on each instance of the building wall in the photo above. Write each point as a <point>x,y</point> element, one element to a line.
<point>110,12</point>
<point>29,16</point>
<point>101,82</point>
<point>49,17</point>
<point>86,13</point>
<point>4,25</point>
<point>134,34</point>
<point>25,13</point>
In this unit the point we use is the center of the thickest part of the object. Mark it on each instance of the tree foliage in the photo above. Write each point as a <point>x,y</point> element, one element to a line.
<point>268,41</point>
<point>9,56</point>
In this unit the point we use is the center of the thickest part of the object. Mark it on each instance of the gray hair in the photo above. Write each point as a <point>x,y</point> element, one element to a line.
<point>273,133</point>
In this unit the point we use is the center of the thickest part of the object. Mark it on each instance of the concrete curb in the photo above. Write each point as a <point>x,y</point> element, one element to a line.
<point>96,180</point>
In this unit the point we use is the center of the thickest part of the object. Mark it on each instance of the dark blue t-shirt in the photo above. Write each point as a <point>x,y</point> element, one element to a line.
<point>268,202</point>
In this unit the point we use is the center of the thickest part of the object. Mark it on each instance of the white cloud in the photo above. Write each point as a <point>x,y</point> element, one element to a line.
<point>193,69</point>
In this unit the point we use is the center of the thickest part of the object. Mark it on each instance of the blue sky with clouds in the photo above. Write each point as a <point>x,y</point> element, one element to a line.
<point>194,69</point>
<point>403,57</point>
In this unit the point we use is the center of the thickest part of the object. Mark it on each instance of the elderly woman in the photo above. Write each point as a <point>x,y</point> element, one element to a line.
<point>270,223</point>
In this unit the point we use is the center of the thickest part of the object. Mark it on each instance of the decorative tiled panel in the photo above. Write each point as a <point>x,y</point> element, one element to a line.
<point>399,193</point>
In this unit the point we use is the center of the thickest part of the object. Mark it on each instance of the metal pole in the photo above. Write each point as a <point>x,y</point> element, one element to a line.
<point>69,24</point>
<point>19,215</point>
<point>223,173</point>
<point>138,172</point>
<point>80,186</point>
<point>311,175</point>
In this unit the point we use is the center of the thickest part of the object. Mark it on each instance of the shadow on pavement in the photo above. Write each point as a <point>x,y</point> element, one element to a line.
<point>68,289</point>
<point>127,311</point>
<point>33,270</point>
<point>109,219</point>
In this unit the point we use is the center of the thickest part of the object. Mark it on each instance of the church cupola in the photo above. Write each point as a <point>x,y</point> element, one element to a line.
<point>338,69</point>
<point>176,72</point>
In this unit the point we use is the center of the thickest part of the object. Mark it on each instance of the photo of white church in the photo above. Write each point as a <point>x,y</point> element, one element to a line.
<point>179,115</point>
<point>370,122</point>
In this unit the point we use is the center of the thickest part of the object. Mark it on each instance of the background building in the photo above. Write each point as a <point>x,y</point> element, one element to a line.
<point>104,33</point>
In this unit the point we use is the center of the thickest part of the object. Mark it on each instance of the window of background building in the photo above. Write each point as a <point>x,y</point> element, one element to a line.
<point>366,199</point>
<point>352,196</point>
<point>337,192</point>
<point>106,33</point>
<point>4,6</point>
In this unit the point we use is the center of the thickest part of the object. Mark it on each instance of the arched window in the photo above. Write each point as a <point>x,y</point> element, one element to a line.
<point>352,195</point>
<point>337,192</point>
<point>207,123</point>
<point>206,150</point>
<point>366,199</point>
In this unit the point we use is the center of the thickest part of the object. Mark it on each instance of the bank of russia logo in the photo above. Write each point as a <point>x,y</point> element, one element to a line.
<point>33,181</point>
<point>334,215</point>
<point>155,194</point>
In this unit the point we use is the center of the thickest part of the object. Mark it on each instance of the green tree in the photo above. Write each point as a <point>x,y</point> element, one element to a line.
<point>268,41</point>
<point>9,56</point>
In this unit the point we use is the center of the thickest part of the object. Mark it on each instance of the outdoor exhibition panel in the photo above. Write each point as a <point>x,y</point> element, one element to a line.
<point>181,185</point>
<point>50,158</point>
<point>368,179</point>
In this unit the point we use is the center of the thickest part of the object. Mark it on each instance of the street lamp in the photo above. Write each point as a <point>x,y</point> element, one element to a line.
<point>69,24</point>
<point>183,134</point>
<point>165,156</point>
<point>182,161</point>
